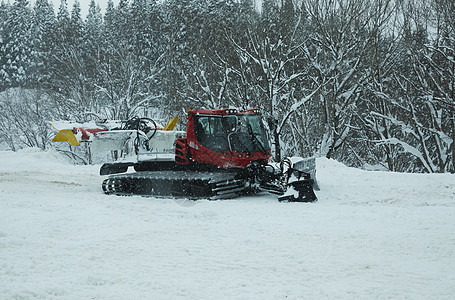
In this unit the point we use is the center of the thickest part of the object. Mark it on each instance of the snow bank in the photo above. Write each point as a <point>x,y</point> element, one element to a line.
<point>371,235</point>
<point>359,187</point>
<point>31,159</point>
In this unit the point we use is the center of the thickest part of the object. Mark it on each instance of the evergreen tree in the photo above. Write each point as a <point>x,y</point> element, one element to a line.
<point>122,25</point>
<point>287,19</point>
<point>62,23</point>
<point>94,41</point>
<point>76,26</point>
<point>93,22</point>
<point>109,15</point>
<point>4,77</point>
<point>17,44</point>
<point>60,64</point>
<point>43,24</point>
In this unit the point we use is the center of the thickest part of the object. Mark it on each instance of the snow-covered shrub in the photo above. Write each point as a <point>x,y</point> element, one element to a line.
<point>23,119</point>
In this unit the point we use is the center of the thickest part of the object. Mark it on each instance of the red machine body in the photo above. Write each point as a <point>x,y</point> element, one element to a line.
<point>225,138</point>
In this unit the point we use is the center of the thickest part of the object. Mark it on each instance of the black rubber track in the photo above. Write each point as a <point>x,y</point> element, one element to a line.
<point>191,184</point>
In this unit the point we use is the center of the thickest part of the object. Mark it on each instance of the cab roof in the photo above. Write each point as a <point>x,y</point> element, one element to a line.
<point>225,111</point>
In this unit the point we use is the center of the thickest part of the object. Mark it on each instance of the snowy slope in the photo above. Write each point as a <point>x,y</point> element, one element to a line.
<point>371,235</point>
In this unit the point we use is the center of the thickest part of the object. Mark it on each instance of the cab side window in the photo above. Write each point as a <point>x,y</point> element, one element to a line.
<point>210,133</point>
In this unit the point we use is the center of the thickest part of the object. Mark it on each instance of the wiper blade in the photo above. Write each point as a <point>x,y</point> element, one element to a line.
<point>238,140</point>
<point>255,139</point>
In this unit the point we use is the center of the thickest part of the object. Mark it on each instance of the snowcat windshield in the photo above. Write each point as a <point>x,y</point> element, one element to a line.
<point>250,135</point>
<point>246,133</point>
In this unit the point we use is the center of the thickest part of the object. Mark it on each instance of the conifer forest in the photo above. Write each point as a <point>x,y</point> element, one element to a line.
<point>369,83</point>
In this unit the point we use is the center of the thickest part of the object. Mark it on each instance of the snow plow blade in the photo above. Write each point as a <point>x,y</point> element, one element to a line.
<point>307,165</point>
<point>66,135</point>
<point>170,125</point>
<point>301,179</point>
<point>299,191</point>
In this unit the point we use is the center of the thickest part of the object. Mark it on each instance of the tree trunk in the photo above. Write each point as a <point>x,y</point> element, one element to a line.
<point>276,137</point>
<point>452,170</point>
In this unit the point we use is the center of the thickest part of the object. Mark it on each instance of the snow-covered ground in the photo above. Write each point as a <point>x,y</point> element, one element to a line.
<point>370,235</point>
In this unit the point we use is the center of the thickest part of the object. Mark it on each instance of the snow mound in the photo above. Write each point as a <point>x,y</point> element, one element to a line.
<point>360,187</point>
<point>31,158</point>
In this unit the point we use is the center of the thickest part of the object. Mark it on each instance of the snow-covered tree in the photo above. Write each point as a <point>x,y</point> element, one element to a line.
<point>4,77</point>
<point>412,116</point>
<point>17,44</point>
<point>270,58</point>
<point>340,40</point>
<point>207,70</point>
<point>94,41</point>
<point>42,34</point>
<point>24,114</point>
